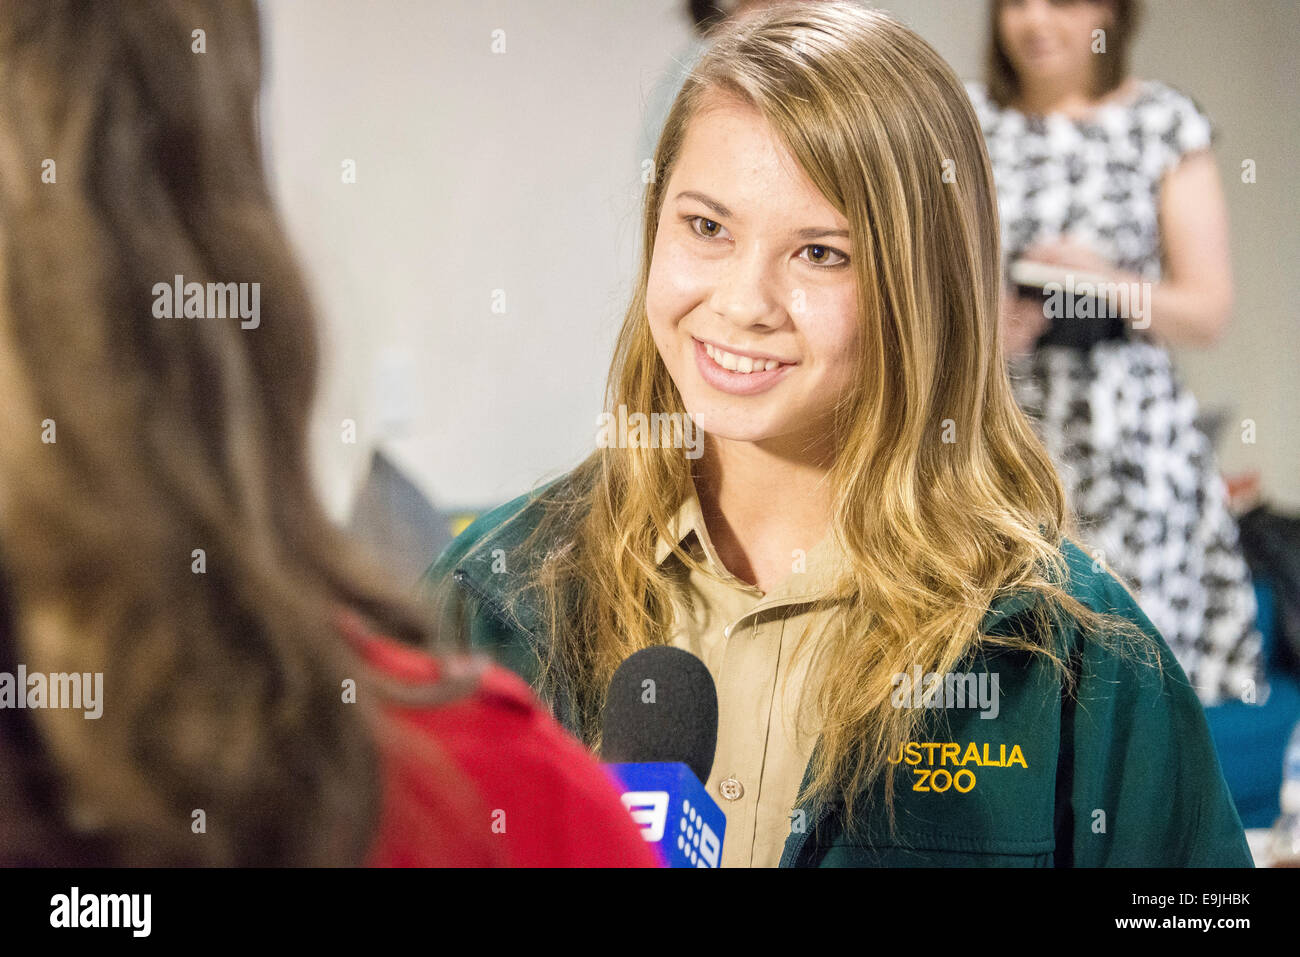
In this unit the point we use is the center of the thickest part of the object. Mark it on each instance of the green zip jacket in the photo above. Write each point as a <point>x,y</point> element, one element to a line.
<point>1121,774</point>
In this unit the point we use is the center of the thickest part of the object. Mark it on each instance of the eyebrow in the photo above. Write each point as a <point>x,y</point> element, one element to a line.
<point>812,232</point>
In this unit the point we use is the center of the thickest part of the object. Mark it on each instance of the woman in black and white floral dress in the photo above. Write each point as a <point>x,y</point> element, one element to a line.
<point>1103,174</point>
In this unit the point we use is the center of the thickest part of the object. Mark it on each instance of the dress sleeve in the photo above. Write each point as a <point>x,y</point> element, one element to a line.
<point>1147,789</point>
<point>1180,128</point>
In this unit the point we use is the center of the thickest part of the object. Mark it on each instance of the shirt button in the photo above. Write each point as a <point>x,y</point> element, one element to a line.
<point>731,789</point>
<point>726,632</point>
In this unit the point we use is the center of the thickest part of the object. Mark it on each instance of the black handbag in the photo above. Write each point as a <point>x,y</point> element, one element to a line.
<point>1076,320</point>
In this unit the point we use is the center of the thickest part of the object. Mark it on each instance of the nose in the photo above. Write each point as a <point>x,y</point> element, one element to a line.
<point>742,294</point>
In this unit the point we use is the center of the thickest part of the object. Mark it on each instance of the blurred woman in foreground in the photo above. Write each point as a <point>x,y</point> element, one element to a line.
<point>157,521</point>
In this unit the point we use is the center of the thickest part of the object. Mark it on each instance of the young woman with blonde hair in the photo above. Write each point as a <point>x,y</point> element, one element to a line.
<point>872,530</point>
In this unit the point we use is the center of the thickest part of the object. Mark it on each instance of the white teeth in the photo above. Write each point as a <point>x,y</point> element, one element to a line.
<point>741,364</point>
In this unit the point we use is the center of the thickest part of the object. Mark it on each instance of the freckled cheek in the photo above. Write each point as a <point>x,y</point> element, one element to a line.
<point>830,331</point>
<point>678,283</point>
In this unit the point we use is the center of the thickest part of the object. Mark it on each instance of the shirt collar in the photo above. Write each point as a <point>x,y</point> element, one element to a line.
<point>686,521</point>
<point>823,564</point>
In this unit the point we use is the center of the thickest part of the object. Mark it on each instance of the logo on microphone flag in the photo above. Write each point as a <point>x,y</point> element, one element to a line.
<point>674,812</point>
<point>650,811</point>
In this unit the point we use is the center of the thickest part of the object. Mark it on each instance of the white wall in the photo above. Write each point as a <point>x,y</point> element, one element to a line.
<point>475,172</point>
<point>518,171</point>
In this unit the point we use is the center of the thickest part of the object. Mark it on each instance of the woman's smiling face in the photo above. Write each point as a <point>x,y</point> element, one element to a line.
<point>1046,39</point>
<point>751,298</point>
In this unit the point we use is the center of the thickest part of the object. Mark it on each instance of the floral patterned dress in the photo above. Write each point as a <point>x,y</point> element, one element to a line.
<point>1140,476</point>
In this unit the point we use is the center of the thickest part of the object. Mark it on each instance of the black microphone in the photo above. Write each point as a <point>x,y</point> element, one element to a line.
<point>661,706</point>
<point>659,734</point>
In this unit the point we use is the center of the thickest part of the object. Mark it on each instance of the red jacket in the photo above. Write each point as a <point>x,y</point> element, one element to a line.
<point>541,799</point>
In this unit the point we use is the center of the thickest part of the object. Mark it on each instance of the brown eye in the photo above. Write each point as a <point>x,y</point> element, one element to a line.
<point>824,256</point>
<point>706,227</point>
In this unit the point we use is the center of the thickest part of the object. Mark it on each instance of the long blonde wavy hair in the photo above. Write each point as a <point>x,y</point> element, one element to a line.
<point>935,531</point>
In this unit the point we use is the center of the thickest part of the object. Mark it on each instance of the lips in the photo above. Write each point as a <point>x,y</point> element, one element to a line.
<point>738,373</point>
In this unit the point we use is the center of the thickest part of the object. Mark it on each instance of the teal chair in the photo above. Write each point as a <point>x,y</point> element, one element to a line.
<point>1251,738</point>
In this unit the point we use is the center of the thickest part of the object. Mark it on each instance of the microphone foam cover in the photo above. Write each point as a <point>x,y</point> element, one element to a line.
<point>662,706</point>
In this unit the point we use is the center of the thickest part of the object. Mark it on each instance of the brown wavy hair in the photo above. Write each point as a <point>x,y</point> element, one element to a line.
<point>223,690</point>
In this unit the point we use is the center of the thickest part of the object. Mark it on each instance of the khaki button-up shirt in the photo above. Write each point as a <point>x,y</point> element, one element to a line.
<point>747,640</point>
